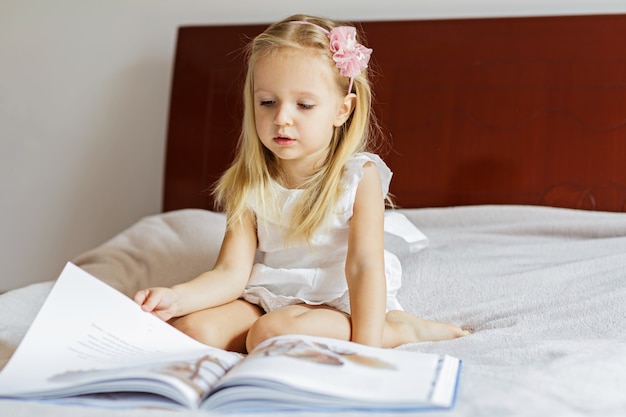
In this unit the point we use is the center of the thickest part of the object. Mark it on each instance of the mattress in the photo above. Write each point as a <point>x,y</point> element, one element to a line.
<point>542,289</point>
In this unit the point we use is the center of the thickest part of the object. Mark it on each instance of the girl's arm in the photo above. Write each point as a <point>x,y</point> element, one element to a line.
<point>365,264</point>
<point>224,283</point>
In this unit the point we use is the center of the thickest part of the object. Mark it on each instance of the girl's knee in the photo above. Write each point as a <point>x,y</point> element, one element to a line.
<point>266,327</point>
<point>197,329</point>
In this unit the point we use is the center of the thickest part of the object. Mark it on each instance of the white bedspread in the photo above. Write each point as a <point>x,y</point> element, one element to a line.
<point>543,290</point>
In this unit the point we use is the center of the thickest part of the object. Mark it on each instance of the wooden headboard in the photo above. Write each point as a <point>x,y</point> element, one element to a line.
<point>478,111</point>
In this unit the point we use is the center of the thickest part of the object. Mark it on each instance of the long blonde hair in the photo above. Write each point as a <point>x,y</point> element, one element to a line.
<point>255,169</point>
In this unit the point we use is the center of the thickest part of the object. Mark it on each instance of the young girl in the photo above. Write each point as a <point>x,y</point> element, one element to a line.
<point>305,194</point>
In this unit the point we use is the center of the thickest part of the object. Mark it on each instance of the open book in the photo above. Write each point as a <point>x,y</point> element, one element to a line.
<point>90,344</point>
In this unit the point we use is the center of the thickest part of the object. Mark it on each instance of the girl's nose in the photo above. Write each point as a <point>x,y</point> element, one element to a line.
<point>282,116</point>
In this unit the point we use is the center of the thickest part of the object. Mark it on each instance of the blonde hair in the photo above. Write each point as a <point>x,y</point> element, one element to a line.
<point>255,169</point>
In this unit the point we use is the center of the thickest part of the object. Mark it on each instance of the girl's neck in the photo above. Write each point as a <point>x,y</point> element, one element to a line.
<point>292,182</point>
<point>295,175</point>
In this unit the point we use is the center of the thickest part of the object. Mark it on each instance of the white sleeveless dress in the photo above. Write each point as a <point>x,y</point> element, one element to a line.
<point>314,273</point>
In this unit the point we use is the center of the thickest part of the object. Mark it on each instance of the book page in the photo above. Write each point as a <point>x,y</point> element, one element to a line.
<point>86,331</point>
<point>355,373</point>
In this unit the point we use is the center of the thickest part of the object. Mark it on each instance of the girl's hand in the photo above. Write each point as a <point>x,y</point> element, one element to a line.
<point>159,301</point>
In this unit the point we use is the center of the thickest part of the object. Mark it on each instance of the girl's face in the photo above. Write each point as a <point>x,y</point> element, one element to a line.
<point>296,107</point>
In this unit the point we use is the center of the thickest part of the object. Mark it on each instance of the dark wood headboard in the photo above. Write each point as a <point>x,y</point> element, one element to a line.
<point>478,111</point>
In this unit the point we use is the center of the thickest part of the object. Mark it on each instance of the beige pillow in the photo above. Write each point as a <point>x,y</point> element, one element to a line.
<point>159,250</point>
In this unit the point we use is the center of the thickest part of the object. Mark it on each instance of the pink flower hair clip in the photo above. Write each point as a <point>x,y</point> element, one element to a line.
<point>350,56</point>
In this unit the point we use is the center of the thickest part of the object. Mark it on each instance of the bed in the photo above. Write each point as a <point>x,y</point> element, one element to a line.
<point>507,141</point>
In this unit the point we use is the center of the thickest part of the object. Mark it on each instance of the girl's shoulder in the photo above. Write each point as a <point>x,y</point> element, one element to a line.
<point>353,171</point>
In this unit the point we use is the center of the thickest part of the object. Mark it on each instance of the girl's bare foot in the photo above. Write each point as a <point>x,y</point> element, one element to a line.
<point>407,328</point>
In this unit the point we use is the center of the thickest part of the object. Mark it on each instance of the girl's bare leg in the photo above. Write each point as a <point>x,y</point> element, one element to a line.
<point>400,327</point>
<point>225,327</point>
<point>300,319</point>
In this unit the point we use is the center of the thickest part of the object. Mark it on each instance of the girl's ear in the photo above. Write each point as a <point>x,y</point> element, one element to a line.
<point>345,110</point>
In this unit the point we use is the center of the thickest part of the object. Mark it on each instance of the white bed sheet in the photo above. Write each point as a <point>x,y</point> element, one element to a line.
<point>543,289</point>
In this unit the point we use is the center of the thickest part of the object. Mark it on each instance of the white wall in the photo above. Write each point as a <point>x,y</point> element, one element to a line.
<point>84,88</point>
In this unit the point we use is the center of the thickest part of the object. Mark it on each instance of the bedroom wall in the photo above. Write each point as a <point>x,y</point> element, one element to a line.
<point>83,104</point>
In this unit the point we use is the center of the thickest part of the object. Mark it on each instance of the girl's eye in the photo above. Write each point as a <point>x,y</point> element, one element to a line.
<point>305,106</point>
<point>267,102</point>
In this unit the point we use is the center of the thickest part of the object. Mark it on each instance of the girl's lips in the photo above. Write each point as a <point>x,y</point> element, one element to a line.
<point>283,140</point>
